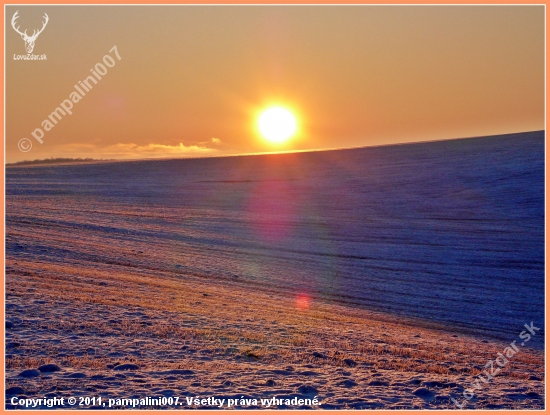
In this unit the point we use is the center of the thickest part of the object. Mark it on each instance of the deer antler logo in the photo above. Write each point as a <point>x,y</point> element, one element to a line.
<point>29,40</point>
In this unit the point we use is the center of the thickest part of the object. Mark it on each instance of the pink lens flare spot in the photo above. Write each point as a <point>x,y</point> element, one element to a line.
<point>303,301</point>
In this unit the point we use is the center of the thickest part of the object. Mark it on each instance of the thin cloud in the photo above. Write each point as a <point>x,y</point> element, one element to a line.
<point>133,150</point>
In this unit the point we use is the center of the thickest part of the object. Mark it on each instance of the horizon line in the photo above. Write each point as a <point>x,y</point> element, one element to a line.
<point>75,159</point>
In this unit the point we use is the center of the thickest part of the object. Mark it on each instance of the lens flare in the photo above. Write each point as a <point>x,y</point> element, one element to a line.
<point>303,301</point>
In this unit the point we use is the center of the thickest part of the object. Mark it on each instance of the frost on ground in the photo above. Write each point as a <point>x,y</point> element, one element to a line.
<point>121,334</point>
<point>377,278</point>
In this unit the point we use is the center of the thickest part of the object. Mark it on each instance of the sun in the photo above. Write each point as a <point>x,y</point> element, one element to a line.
<point>277,124</point>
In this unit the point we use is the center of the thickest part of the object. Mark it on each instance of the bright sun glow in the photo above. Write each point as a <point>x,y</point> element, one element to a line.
<point>277,124</point>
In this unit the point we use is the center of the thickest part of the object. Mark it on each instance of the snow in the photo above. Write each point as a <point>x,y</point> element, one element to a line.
<point>450,231</point>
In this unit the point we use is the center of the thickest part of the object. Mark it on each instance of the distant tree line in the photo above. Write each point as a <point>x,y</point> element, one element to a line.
<point>52,160</point>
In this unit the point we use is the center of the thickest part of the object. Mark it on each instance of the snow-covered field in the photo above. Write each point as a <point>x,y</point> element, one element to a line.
<point>371,278</point>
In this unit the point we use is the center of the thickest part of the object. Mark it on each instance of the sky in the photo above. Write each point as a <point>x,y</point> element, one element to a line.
<point>192,80</point>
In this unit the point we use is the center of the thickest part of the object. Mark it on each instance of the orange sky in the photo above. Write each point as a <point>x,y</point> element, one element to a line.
<point>192,78</point>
